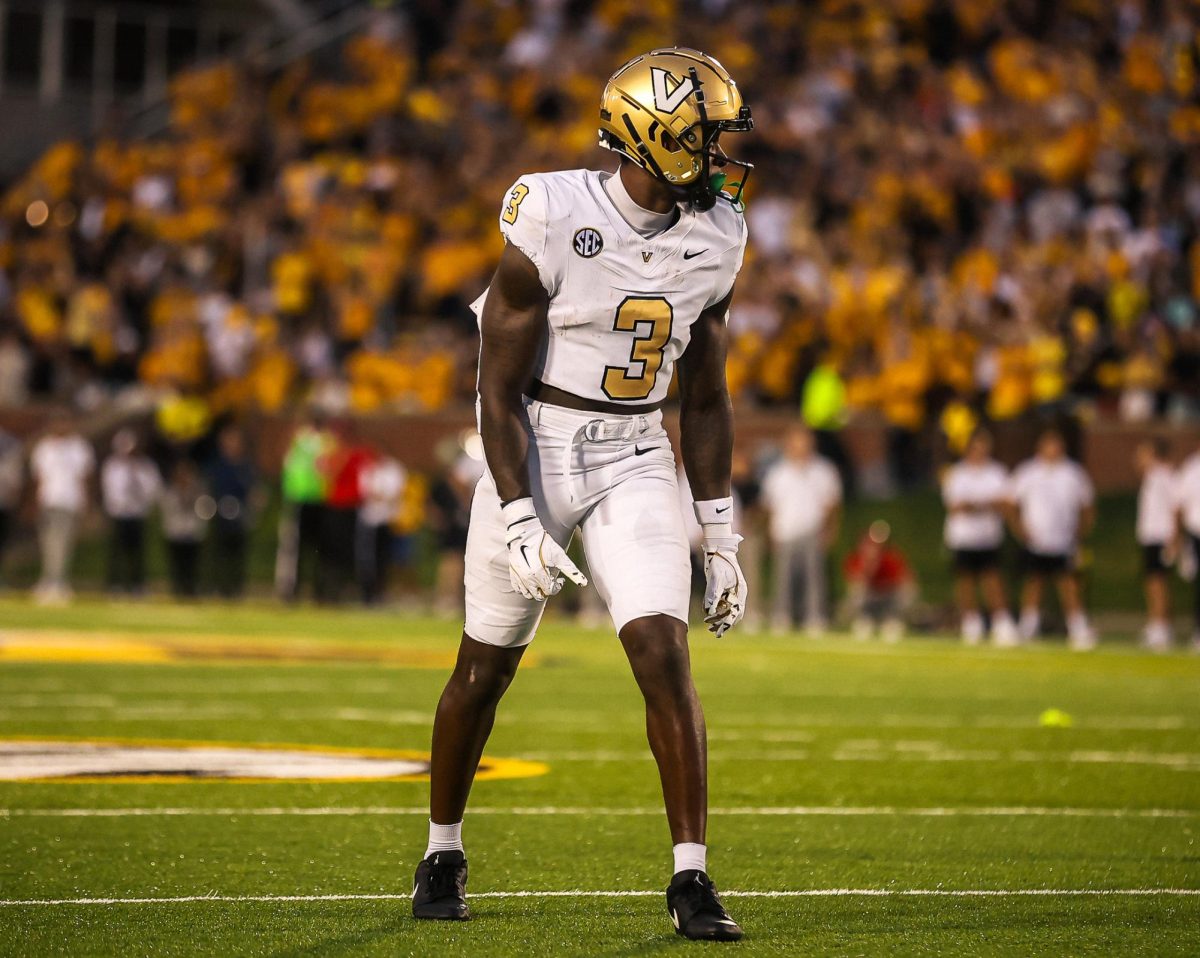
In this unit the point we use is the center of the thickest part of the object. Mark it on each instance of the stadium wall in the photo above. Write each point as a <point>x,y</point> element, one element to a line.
<point>1105,447</point>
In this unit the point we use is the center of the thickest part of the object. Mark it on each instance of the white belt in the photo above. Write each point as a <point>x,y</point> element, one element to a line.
<point>599,430</point>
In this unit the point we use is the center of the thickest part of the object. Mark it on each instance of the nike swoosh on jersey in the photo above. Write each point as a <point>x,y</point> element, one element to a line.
<point>692,254</point>
<point>639,451</point>
<point>675,917</point>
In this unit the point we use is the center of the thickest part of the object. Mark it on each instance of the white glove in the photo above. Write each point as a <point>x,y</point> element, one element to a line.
<point>725,592</point>
<point>536,563</point>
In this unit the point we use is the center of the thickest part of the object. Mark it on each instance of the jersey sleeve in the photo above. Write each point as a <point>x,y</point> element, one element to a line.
<point>525,223</point>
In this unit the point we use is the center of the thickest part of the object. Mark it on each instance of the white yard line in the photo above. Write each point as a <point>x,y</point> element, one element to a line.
<point>580,893</point>
<point>796,811</point>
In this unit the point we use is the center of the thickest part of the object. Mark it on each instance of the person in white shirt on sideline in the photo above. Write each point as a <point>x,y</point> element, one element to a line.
<point>130,487</point>
<point>1052,507</point>
<point>802,493</point>
<point>974,491</point>
<point>1156,536</point>
<point>1187,498</point>
<point>382,483</point>
<point>61,464</point>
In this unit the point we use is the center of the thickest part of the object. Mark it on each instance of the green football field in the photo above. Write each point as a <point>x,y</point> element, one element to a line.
<point>919,799</point>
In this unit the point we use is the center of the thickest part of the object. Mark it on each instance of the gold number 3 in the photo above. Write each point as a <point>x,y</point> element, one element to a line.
<point>632,382</point>
<point>519,192</point>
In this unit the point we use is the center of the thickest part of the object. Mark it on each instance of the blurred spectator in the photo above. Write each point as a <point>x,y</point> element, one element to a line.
<point>1187,491</point>
<point>382,482</point>
<point>1156,535</point>
<point>62,462</point>
<point>12,479</point>
<point>343,465</point>
<point>975,493</point>
<point>823,409</point>
<point>880,586</point>
<point>802,494</point>
<point>1052,510</point>
<point>232,482</point>
<point>301,517</point>
<point>183,519</point>
<point>450,513</point>
<point>130,486</point>
<point>14,369</point>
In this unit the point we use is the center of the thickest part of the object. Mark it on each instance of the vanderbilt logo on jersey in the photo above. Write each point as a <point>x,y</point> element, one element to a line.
<point>588,242</point>
<point>646,254</point>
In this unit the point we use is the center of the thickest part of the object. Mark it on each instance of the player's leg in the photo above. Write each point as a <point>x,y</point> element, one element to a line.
<point>637,551</point>
<point>812,556</point>
<point>1031,603</point>
<point>499,624</point>
<point>465,715</point>
<point>1004,630</point>
<point>1079,632</point>
<point>782,555</point>
<point>970,621</point>
<point>1157,633</point>
<point>657,649</point>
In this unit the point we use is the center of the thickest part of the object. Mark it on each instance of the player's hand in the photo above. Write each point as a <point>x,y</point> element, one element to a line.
<point>725,593</point>
<point>536,563</point>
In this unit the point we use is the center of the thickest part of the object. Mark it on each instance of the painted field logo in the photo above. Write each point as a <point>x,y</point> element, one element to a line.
<point>135,761</point>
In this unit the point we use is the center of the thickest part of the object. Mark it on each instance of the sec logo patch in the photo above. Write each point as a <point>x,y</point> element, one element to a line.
<point>588,242</point>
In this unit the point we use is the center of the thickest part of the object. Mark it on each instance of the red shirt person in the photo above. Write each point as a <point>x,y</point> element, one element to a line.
<point>880,585</point>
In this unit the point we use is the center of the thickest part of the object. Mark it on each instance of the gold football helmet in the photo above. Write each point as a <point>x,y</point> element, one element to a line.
<point>664,111</point>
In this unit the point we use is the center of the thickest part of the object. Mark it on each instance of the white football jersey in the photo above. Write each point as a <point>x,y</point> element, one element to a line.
<point>621,305</point>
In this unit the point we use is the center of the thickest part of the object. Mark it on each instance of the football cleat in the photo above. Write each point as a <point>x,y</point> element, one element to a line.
<point>696,910</point>
<point>440,887</point>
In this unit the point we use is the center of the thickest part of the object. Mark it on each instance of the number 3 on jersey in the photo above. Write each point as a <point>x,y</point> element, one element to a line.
<point>519,192</point>
<point>655,316</point>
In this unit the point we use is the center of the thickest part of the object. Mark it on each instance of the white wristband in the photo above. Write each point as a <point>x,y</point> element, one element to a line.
<point>517,515</point>
<point>713,512</point>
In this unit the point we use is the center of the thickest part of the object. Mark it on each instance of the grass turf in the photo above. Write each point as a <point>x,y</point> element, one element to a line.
<point>911,743</point>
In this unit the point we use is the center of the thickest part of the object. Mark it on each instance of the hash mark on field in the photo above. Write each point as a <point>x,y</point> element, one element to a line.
<point>581,893</point>
<point>797,811</point>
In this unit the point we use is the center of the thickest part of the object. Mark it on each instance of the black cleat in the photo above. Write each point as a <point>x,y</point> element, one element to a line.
<point>696,910</point>
<point>440,887</point>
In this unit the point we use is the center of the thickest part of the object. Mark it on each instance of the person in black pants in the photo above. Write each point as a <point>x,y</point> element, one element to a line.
<point>233,485</point>
<point>185,508</point>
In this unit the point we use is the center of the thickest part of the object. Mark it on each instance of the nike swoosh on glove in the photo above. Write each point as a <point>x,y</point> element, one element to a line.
<point>536,563</point>
<point>725,593</point>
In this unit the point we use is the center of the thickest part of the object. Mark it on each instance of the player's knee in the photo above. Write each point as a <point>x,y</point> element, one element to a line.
<point>657,650</point>
<point>484,672</point>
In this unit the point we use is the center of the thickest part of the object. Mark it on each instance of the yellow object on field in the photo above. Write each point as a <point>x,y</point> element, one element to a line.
<point>1055,718</point>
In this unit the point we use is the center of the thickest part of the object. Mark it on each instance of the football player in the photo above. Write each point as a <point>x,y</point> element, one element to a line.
<point>606,282</point>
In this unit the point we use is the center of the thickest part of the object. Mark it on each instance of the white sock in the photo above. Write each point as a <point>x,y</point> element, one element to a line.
<point>972,627</point>
<point>1077,624</point>
<point>1031,621</point>
<point>690,855</point>
<point>444,838</point>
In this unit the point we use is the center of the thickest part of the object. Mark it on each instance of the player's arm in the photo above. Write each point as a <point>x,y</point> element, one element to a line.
<point>706,411</point>
<point>511,327</point>
<point>706,441</point>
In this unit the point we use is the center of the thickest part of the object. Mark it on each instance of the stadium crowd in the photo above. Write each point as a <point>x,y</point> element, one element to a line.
<point>962,210</point>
